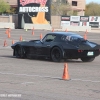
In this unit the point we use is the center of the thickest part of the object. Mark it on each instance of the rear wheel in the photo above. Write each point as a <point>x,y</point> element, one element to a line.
<point>56,54</point>
<point>87,59</point>
<point>19,52</point>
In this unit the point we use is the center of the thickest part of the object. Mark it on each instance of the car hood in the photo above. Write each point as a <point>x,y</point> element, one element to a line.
<point>19,43</point>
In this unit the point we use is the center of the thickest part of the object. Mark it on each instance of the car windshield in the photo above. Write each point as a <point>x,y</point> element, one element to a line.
<point>49,38</point>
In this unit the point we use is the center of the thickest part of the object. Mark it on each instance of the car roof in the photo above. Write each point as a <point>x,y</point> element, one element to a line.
<point>64,33</point>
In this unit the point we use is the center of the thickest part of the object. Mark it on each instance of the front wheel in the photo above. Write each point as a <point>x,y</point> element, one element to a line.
<point>87,59</point>
<point>56,54</point>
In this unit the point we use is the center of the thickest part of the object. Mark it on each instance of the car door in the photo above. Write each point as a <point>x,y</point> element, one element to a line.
<point>38,46</point>
<point>32,47</point>
<point>47,43</point>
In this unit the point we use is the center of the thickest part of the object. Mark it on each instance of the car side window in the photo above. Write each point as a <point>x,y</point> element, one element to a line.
<point>65,38</point>
<point>70,38</point>
<point>49,38</point>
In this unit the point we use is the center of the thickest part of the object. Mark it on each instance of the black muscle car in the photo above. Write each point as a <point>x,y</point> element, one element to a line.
<point>58,46</point>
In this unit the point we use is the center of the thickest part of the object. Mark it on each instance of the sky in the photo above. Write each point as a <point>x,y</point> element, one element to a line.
<point>88,1</point>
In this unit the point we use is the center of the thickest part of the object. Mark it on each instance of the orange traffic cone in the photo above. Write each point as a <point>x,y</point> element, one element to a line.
<point>21,38</point>
<point>33,29</point>
<point>9,35</point>
<point>6,31</point>
<point>65,72</point>
<point>5,43</point>
<point>85,36</point>
<point>32,32</point>
<point>41,36</point>
<point>66,30</point>
<point>52,29</point>
<point>86,31</point>
<point>12,41</point>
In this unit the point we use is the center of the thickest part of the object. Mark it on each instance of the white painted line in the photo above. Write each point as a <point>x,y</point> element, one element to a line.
<point>27,83</point>
<point>46,77</point>
<point>27,75</point>
<point>2,47</point>
<point>85,80</point>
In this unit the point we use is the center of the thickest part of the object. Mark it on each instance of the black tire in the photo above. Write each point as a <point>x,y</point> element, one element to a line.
<point>56,54</point>
<point>87,59</point>
<point>19,52</point>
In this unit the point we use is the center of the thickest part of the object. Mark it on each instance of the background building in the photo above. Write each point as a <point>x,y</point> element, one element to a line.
<point>78,5</point>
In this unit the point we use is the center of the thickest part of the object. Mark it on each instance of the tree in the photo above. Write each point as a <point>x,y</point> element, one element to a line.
<point>60,7</point>
<point>92,9</point>
<point>4,7</point>
<point>11,10</point>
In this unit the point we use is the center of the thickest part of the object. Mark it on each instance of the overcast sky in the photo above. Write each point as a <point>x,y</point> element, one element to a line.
<point>88,1</point>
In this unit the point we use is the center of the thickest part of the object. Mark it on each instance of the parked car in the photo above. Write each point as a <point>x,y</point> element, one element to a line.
<point>58,46</point>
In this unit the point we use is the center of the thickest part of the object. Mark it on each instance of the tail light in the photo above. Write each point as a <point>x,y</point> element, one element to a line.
<point>80,50</point>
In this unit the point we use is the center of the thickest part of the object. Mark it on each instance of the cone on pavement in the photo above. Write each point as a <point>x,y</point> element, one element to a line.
<point>52,29</point>
<point>32,32</point>
<point>41,36</point>
<point>86,31</point>
<point>85,36</point>
<point>21,38</point>
<point>65,72</point>
<point>33,29</point>
<point>5,43</point>
<point>7,31</point>
<point>9,35</point>
<point>66,30</point>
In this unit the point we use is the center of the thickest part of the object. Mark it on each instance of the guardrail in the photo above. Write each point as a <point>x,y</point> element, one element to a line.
<point>38,26</point>
<point>7,25</point>
<point>77,28</point>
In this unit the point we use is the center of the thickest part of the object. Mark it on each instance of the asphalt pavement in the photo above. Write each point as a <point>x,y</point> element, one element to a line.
<point>39,79</point>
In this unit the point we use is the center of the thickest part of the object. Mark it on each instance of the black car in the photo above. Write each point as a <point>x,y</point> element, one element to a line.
<point>58,46</point>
